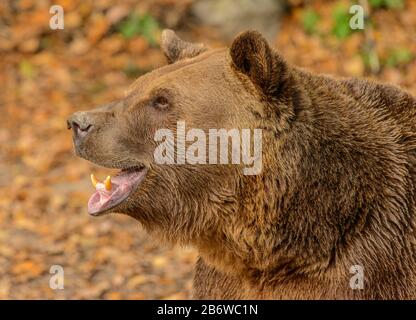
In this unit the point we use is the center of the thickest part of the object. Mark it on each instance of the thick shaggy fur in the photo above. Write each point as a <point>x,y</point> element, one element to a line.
<point>338,186</point>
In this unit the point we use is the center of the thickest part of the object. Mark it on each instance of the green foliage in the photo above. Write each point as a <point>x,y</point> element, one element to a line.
<point>341,16</point>
<point>310,19</point>
<point>390,4</point>
<point>27,70</point>
<point>366,57</point>
<point>398,57</point>
<point>97,87</point>
<point>132,70</point>
<point>144,25</point>
<point>370,60</point>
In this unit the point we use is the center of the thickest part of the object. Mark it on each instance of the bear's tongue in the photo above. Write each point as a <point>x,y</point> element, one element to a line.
<point>113,190</point>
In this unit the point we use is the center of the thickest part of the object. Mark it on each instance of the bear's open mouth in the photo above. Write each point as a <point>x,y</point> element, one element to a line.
<point>115,190</point>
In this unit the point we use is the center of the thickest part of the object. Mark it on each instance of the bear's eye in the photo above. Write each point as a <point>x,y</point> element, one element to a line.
<point>160,102</point>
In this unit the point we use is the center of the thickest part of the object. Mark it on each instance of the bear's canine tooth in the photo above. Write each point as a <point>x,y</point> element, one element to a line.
<point>107,183</point>
<point>94,180</point>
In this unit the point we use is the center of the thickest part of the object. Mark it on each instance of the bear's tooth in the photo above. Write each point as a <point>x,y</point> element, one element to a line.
<point>94,180</point>
<point>107,183</point>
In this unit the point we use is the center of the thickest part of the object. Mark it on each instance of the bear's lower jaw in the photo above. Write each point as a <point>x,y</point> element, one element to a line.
<point>122,186</point>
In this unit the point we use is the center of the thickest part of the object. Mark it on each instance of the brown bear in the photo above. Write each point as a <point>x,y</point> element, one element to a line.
<point>332,213</point>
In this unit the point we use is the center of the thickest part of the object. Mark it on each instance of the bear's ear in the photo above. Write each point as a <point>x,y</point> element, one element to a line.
<point>252,56</point>
<point>176,49</point>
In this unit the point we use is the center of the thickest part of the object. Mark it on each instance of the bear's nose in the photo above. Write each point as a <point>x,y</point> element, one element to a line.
<point>81,124</point>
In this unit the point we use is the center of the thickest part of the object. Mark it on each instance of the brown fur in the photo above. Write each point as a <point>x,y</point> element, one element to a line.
<point>337,187</point>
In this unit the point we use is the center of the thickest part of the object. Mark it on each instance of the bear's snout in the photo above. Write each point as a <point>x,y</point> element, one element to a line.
<point>96,135</point>
<point>81,124</point>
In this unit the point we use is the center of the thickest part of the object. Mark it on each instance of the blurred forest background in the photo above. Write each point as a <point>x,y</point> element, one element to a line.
<point>48,74</point>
